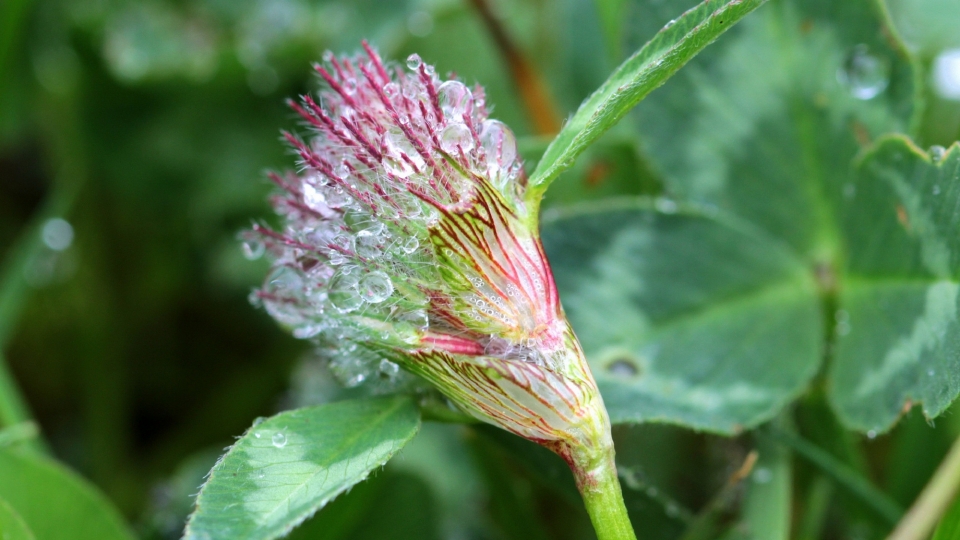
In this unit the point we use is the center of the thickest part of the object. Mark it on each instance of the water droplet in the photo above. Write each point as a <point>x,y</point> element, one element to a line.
<point>396,146</point>
<point>258,420</point>
<point>455,99</point>
<point>936,153</point>
<point>367,245</point>
<point>328,56</point>
<point>666,206</point>
<point>623,367</point>
<point>843,328</point>
<point>414,61</point>
<point>456,137</point>
<point>257,434</point>
<point>418,318</point>
<point>284,281</point>
<point>500,147</point>
<point>863,73</point>
<point>849,190</point>
<point>842,316</point>
<point>872,434</point>
<point>410,245</point>
<point>389,368</point>
<point>936,189</point>
<point>931,372</point>
<point>57,234</point>
<point>946,74</point>
<point>376,287</point>
<point>314,198</point>
<point>652,492</point>
<point>762,475</point>
<point>349,85</point>
<point>279,439</point>
<point>253,249</point>
<point>343,293</point>
<point>391,90</point>
<point>672,509</point>
<point>261,474</point>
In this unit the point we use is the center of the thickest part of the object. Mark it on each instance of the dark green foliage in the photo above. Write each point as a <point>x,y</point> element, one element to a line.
<point>765,249</point>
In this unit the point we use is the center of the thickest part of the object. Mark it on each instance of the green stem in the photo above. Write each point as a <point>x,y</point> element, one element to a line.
<point>933,501</point>
<point>600,488</point>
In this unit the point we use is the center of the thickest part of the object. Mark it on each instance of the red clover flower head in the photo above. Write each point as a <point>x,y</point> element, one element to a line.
<point>407,241</point>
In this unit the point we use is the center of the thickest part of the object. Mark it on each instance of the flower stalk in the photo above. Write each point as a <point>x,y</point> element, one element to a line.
<point>407,243</point>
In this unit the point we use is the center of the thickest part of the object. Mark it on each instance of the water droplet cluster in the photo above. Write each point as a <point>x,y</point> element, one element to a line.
<point>395,153</point>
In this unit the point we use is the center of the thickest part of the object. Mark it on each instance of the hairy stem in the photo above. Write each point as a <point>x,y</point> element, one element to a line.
<point>933,501</point>
<point>596,474</point>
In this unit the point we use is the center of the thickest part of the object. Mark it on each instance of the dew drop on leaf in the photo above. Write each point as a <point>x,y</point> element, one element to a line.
<point>279,439</point>
<point>936,152</point>
<point>623,368</point>
<point>864,74</point>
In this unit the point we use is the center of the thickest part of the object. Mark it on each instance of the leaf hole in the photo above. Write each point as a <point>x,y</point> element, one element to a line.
<point>623,367</point>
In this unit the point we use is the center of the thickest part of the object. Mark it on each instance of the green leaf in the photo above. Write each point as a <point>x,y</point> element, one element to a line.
<point>647,69</point>
<point>12,526</point>
<point>765,123</point>
<point>287,467</point>
<point>686,315</point>
<point>898,332</point>
<point>56,503</point>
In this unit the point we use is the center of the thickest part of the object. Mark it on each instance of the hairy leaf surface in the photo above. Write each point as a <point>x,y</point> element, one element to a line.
<point>287,467</point>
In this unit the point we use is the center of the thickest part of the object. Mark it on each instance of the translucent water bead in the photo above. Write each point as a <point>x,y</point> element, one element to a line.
<point>343,290</point>
<point>456,138</point>
<point>500,148</point>
<point>395,146</point>
<point>866,75</point>
<point>375,287</point>
<point>455,100</point>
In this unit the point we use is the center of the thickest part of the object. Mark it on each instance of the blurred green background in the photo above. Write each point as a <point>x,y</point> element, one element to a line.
<point>134,136</point>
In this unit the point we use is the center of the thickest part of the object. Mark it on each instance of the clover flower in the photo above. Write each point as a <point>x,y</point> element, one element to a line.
<point>407,242</point>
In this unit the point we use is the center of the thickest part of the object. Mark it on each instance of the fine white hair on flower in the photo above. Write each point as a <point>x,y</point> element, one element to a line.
<point>405,228</point>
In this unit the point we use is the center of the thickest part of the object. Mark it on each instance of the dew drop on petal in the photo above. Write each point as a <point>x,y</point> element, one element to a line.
<point>391,90</point>
<point>455,99</point>
<point>350,85</point>
<point>343,293</point>
<point>376,287</point>
<point>313,198</point>
<point>367,245</point>
<point>284,281</point>
<point>414,61</point>
<point>279,439</point>
<point>253,249</point>
<point>456,136</point>
<point>499,144</point>
<point>864,74</point>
